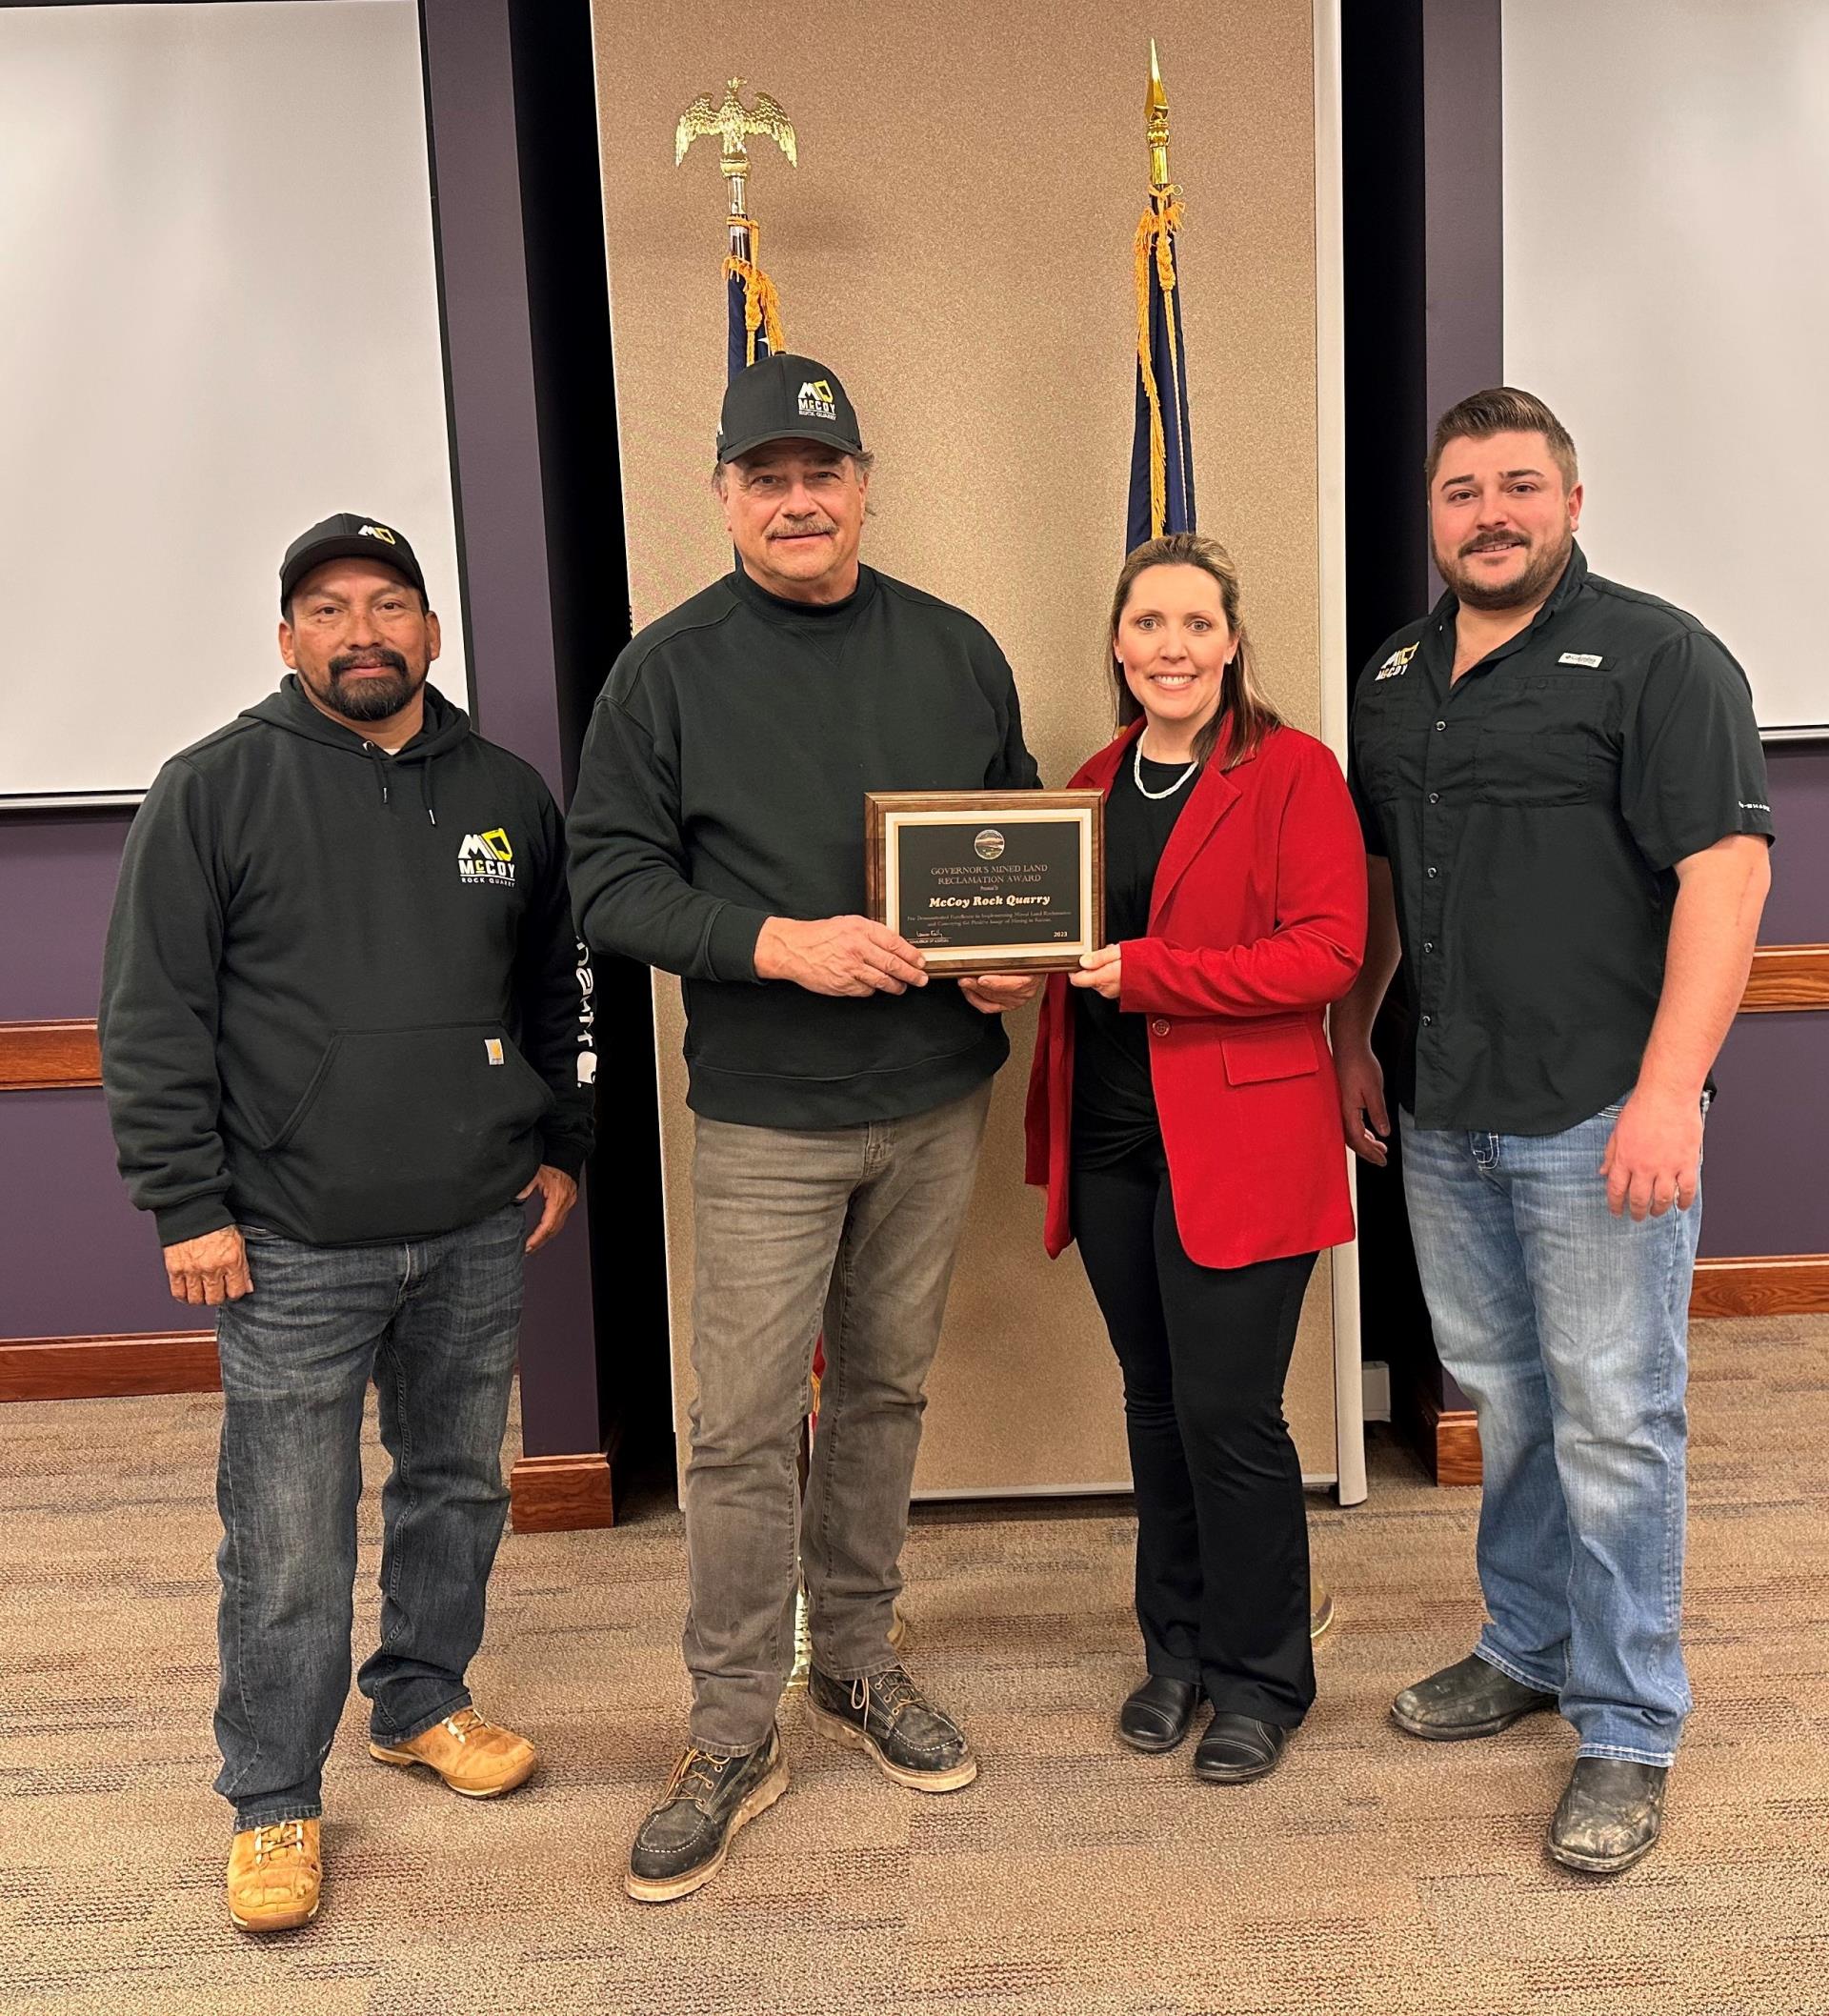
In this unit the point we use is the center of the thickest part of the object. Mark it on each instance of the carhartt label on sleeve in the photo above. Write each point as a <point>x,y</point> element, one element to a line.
<point>1579,658</point>
<point>493,1048</point>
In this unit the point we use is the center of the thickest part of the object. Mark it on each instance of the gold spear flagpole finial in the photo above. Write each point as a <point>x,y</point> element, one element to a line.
<point>1155,117</point>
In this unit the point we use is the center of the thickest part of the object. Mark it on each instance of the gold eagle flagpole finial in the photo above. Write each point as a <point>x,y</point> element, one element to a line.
<point>734,122</point>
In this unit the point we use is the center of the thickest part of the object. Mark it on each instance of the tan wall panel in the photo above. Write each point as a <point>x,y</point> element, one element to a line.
<point>957,243</point>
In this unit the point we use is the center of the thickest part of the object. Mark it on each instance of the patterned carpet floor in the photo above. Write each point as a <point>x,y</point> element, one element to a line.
<point>1369,1875</point>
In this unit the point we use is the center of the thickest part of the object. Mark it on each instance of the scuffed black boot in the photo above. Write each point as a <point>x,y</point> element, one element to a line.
<point>887,1716</point>
<point>683,1842</point>
<point>1466,1700</point>
<point>1611,1815</point>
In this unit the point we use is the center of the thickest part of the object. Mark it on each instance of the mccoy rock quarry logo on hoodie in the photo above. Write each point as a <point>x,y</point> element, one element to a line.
<point>487,857</point>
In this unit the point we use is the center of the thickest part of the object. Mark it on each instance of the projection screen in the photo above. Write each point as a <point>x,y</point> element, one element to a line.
<point>1666,213</point>
<point>221,326</point>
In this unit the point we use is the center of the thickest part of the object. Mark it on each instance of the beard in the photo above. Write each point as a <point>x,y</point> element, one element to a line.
<point>369,698</point>
<point>1541,572</point>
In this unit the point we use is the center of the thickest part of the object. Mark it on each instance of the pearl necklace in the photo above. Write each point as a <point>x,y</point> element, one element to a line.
<point>1136,771</point>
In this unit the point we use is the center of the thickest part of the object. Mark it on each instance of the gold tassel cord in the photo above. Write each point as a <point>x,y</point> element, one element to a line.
<point>761,304</point>
<point>1155,236</point>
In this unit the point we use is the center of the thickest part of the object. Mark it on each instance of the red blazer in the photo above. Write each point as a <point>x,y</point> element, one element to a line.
<point>1256,922</point>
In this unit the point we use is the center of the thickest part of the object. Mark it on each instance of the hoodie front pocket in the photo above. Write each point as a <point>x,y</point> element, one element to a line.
<point>403,1133</point>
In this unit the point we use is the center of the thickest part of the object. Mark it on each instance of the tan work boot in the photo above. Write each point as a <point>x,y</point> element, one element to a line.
<point>274,1876</point>
<point>473,1756</point>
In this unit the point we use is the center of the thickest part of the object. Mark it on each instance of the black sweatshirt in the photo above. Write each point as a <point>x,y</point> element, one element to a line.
<point>723,783</point>
<point>342,994</point>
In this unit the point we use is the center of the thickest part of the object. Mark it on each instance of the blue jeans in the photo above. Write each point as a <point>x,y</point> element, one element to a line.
<point>433,1322</point>
<point>1568,1329</point>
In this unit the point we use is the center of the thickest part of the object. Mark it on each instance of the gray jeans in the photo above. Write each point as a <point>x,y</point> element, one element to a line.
<point>855,1227</point>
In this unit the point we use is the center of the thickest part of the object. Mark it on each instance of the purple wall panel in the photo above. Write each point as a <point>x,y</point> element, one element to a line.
<point>1797,913</point>
<point>77,1260</point>
<point>1762,1187</point>
<point>54,900</point>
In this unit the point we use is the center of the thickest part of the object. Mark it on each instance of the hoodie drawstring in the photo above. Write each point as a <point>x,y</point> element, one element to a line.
<point>425,789</point>
<point>380,763</point>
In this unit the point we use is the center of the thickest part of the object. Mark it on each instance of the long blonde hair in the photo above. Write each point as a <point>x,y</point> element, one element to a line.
<point>1243,710</point>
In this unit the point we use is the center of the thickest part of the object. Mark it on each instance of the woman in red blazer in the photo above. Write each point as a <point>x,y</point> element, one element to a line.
<point>1183,1117</point>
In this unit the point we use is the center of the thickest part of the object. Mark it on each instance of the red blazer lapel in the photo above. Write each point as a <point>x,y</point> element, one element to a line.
<point>1213,794</point>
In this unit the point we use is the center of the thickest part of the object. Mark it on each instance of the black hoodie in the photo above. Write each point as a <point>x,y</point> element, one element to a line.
<point>342,994</point>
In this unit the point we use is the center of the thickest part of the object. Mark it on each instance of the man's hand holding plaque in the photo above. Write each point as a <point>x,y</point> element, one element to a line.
<point>837,955</point>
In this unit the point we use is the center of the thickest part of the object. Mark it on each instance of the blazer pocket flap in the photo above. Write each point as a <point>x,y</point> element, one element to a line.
<point>1269,1054</point>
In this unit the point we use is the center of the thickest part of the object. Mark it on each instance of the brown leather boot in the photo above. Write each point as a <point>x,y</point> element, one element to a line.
<point>276,1876</point>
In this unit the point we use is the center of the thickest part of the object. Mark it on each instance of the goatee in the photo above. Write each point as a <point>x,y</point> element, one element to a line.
<point>1531,587</point>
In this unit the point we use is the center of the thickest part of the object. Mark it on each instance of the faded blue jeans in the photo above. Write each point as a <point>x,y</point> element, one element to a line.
<point>433,1323</point>
<point>1568,1329</point>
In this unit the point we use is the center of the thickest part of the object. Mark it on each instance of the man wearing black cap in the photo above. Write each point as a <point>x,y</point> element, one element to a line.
<point>345,1032</point>
<point>717,832</point>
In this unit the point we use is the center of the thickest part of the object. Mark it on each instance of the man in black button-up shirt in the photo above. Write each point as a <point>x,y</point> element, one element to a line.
<point>1564,805</point>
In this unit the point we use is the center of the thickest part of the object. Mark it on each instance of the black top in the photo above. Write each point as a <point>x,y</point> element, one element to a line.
<point>1114,1098</point>
<point>723,783</point>
<point>1533,811</point>
<point>342,996</point>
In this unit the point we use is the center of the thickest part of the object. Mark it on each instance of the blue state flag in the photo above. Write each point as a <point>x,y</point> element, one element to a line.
<point>755,310</point>
<point>1161,447</point>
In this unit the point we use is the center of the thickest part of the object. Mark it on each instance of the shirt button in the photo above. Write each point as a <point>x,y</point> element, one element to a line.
<point>1428,944</point>
<point>1428,1020</point>
<point>1435,797</point>
<point>1439,726</point>
<point>1159,1027</point>
<point>1430,872</point>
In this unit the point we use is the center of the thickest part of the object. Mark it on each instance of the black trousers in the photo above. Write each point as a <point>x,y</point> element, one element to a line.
<point>1221,1528</point>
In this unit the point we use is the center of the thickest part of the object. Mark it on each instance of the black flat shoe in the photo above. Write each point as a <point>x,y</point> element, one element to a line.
<point>1160,1714</point>
<point>1237,1748</point>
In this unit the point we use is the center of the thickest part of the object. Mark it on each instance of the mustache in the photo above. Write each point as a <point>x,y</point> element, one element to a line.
<point>792,527</point>
<point>380,658</point>
<point>1491,542</point>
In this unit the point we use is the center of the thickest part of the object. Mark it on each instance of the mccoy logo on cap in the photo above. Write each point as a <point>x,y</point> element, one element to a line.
<point>786,398</point>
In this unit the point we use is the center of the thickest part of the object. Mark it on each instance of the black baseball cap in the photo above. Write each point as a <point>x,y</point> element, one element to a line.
<point>347,536</point>
<point>786,398</point>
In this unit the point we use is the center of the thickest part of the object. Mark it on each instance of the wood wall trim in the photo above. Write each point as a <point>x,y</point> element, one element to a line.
<point>122,1367</point>
<point>49,1056</point>
<point>1770,1285</point>
<point>1449,1440</point>
<point>563,1494</point>
<point>1787,977</point>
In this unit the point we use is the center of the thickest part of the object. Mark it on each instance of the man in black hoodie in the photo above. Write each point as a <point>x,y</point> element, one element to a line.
<point>838,1098</point>
<point>346,1030</point>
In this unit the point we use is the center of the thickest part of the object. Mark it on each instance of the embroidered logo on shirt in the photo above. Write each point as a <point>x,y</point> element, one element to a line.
<point>487,857</point>
<point>1590,658</point>
<point>1396,664</point>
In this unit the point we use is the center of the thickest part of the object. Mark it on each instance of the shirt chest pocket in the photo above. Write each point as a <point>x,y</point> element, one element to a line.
<point>1533,766</point>
<point>1392,746</point>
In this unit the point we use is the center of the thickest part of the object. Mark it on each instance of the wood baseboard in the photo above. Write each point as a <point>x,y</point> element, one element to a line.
<point>49,1056</point>
<point>1786,977</point>
<point>108,1368</point>
<point>1447,1439</point>
<point>564,1494</point>
<point>1771,1285</point>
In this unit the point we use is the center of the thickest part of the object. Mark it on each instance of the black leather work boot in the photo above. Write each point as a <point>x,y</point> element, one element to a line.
<point>887,1717</point>
<point>1464,1701</point>
<point>685,1836</point>
<point>1611,1815</point>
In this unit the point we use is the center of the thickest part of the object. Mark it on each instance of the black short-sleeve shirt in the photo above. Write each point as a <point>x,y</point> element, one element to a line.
<point>1533,811</point>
